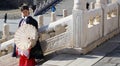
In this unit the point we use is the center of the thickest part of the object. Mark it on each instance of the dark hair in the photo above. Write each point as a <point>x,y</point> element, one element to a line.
<point>24,7</point>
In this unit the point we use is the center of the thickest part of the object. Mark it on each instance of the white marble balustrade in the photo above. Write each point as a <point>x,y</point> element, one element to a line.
<point>95,29</point>
<point>110,18</point>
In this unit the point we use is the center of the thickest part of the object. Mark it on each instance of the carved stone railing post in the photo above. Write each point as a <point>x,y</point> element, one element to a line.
<point>79,5</point>
<point>40,20</point>
<point>104,2</point>
<point>5,31</point>
<point>53,17</point>
<point>101,3</point>
<point>64,13</point>
<point>92,5</point>
<point>97,4</point>
<point>79,24</point>
<point>118,1</point>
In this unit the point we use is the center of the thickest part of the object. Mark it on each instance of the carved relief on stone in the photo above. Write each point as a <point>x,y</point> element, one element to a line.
<point>109,15</point>
<point>114,13</point>
<point>97,18</point>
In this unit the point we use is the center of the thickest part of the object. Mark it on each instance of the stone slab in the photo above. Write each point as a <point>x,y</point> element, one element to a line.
<point>105,64</point>
<point>61,60</point>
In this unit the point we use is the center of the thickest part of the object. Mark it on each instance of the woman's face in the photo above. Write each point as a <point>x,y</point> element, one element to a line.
<point>25,13</point>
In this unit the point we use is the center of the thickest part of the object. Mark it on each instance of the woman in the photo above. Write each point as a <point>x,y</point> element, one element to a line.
<point>27,57</point>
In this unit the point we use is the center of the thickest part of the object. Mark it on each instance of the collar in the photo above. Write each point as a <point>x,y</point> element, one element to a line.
<point>25,17</point>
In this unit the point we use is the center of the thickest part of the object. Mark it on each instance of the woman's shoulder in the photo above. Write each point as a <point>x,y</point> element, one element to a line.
<point>31,18</point>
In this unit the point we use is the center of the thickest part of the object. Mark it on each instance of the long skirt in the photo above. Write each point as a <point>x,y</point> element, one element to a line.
<point>24,61</point>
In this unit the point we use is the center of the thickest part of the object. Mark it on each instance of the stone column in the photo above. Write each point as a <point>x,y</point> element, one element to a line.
<point>53,17</point>
<point>104,2</point>
<point>64,13</point>
<point>79,5</point>
<point>97,4</point>
<point>118,1</point>
<point>101,3</point>
<point>79,24</point>
<point>5,31</point>
<point>92,5</point>
<point>40,21</point>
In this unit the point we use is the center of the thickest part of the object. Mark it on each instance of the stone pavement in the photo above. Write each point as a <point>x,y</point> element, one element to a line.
<point>112,58</point>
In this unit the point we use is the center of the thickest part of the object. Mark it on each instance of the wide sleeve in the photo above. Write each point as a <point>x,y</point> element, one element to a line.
<point>15,51</point>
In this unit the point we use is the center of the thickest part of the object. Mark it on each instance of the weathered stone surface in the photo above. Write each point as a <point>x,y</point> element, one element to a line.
<point>105,60</point>
<point>118,64</point>
<point>89,59</point>
<point>52,34</point>
<point>45,36</point>
<point>61,60</point>
<point>59,29</point>
<point>115,60</point>
<point>7,60</point>
<point>105,64</point>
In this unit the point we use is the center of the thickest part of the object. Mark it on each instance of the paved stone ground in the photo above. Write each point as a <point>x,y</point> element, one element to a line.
<point>112,58</point>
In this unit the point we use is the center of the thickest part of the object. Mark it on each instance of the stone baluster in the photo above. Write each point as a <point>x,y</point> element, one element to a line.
<point>5,31</point>
<point>40,21</point>
<point>78,5</point>
<point>53,17</point>
<point>97,4</point>
<point>101,3</point>
<point>64,13</point>
<point>79,24</point>
<point>104,2</point>
<point>40,6</point>
<point>92,5</point>
<point>118,12</point>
